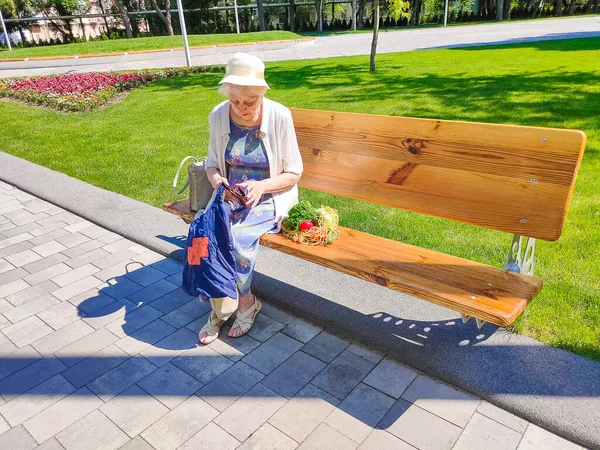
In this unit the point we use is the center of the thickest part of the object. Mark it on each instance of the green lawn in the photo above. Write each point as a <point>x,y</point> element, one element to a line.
<point>134,147</point>
<point>148,43</point>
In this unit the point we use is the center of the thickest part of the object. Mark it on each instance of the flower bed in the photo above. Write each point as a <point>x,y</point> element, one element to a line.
<point>84,91</point>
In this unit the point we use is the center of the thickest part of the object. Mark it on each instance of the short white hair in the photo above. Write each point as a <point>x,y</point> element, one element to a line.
<point>227,88</point>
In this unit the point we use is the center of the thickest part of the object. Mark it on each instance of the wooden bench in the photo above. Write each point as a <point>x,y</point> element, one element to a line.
<point>513,179</point>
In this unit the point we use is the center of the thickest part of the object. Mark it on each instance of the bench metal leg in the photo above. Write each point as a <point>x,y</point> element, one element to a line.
<point>480,322</point>
<point>521,255</point>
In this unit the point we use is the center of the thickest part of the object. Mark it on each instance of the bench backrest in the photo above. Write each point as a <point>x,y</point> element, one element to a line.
<point>509,178</point>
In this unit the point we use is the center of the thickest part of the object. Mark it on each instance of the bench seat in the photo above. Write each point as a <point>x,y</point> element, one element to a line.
<point>465,286</point>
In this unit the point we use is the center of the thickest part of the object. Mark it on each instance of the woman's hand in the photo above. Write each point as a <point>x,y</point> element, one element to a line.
<point>216,180</point>
<point>255,190</point>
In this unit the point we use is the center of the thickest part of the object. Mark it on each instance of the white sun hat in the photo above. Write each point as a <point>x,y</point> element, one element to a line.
<point>245,70</point>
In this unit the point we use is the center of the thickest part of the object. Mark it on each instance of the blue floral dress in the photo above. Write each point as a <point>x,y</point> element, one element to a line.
<point>246,160</point>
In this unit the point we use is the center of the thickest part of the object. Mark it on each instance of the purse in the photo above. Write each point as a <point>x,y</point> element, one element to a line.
<point>201,189</point>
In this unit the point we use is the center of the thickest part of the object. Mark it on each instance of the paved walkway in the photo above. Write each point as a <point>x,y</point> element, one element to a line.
<point>331,46</point>
<point>98,350</point>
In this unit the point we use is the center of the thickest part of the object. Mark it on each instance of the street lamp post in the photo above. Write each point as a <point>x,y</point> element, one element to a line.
<point>188,60</point>
<point>237,22</point>
<point>5,31</point>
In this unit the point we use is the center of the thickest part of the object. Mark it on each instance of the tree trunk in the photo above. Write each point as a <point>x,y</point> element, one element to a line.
<point>125,17</point>
<point>507,9</point>
<point>375,34</point>
<point>360,20</point>
<point>414,18</point>
<point>166,18</point>
<point>319,6</point>
<point>558,7</point>
<point>354,14</point>
<point>500,10</point>
<point>572,7</point>
<point>536,8</point>
<point>261,15</point>
<point>292,15</point>
<point>104,17</point>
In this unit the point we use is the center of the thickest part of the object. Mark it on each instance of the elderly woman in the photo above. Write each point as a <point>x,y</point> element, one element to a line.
<point>252,146</point>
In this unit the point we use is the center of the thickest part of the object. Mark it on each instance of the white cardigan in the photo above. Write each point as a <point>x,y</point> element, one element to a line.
<point>278,135</point>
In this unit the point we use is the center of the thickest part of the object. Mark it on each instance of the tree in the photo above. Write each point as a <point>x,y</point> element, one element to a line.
<point>166,17</point>
<point>319,8</point>
<point>397,8</point>
<point>354,14</point>
<point>50,8</point>
<point>500,10</point>
<point>124,17</point>
<point>261,15</point>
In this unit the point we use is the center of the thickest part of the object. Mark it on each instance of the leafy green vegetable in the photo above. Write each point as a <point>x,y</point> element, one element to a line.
<point>298,213</point>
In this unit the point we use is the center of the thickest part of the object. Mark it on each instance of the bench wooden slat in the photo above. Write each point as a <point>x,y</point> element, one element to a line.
<point>500,160</point>
<point>471,288</point>
<point>443,279</point>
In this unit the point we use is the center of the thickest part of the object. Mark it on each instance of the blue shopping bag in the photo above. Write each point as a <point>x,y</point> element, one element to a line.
<point>209,267</point>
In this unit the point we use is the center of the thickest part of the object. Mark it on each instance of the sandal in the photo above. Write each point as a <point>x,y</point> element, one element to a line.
<point>243,321</point>
<point>212,328</point>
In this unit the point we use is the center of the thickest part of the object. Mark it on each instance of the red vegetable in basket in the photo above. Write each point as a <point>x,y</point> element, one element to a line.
<point>305,225</point>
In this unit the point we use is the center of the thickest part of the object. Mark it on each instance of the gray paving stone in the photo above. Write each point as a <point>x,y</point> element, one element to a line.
<point>391,378</point>
<point>343,374</point>
<point>137,444</point>
<point>141,339</point>
<point>74,275</point>
<point>203,363</point>
<point>211,437</point>
<point>94,431</point>
<point>47,274</point>
<point>86,258</point>
<point>6,345</point>
<point>185,314</point>
<point>17,360</point>
<point>267,437</point>
<point>30,376</point>
<point>24,257</point>
<point>7,225</point>
<point>137,248</point>
<point>61,315</point>
<point>536,438</point>
<point>27,331</point>
<point>31,218</point>
<point>17,438</point>
<point>14,249</point>
<point>120,287</point>
<point>114,311</point>
<point>82,249</point>
<point>326,438</point>
<point>300,416</point>
<point>420,428</point>
<point>170,385</point>
<point>48,236</point>
<point>21,237</point>
<point>64,216</point>
<point>4,322</point>
<point>111,237</point>
<point>49,248</point>
<point>13,287</point>
<point>291,376</point>
<point>94,231</point>
<point>232,348</point>
<point>4,426</point>
<point>10,207</point>
<point>72,240</point>
<point>175,279</point>
<point>56,340</point>
<point>365,353</point>
<point>256,407</point>
<point>95,366</point>
<point>44,263</point>
<point>115,258</point>
<point>76,288</point>
<point>86,347</point>
<point>381,439</point>
<point>35,400</point>
<point>301,330</point>
<point>272,353</point>
<point>82,225</point>
<point>17,214</point>
<point>62,414</point>
<point>146,276</point>
<point>4,305</point>
<point>118,270</point>
<point>442,400</point>
<point>503,417</point>
<point>325,346</point>
<point>51,444</point>
<point>148,257</point>
<point>31,308</point>
<point>180,424</point>
<point>91,301</point>
<point>264,328</point>
<point>154,292</point>
<point>230,385</point>
<point>37,206</point>
<point>360,412</point>
<point>170,347</point>
<point>134,410</point>
<point>172,300</point>
<point>168,266</point>
<point>482,432</point>
<point>32,293</point>
<point>121,377</point>
<point>133,321</point>
<point>14,230</point>
<point>5,266</point>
